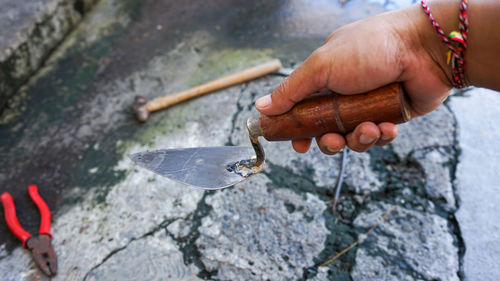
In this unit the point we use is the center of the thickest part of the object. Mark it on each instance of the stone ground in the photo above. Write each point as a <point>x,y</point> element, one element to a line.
<point>69,129</point>
<point>31,29</point>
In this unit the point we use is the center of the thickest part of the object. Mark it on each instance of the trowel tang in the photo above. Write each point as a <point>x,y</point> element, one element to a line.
<point>219,167</point>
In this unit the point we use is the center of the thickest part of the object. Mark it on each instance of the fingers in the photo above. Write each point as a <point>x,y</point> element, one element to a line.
<point>388,132</point>
<point>361,139</point>
<point>307,79</point>
<point>367,134</point>
<point>331,144</point>
<point>301,146</point>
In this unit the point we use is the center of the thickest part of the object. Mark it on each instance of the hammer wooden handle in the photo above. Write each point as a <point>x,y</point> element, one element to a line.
<point>214,85</point>
<point>333,113</point>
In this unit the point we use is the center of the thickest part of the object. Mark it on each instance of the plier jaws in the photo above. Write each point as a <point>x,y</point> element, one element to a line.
<point>43,253</point>
<point>40,245</point>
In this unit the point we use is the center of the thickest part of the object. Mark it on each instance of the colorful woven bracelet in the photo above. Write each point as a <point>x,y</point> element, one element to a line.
<point>456,42</point>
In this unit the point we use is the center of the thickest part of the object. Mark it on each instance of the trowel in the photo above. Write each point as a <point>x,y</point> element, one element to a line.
<point>224,166</point>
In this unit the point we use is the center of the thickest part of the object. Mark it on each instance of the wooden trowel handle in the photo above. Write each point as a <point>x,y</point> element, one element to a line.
<point>334,113</point>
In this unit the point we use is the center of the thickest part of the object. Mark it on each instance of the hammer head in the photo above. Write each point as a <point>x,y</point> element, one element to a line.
<point>140,109</point>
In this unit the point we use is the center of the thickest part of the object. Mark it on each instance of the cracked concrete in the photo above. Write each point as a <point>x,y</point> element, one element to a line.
<point>156,254</point>
<point>476,182</point>
<point>408,246</point>
<point>115,221</point>
<point>414,135</point>
<point>257,232</point>
<point>437,164</point>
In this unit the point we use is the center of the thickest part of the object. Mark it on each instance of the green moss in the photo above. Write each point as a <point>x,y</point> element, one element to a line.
<point>218,62</point>
<point>145,135</point>
<point>51,102</point>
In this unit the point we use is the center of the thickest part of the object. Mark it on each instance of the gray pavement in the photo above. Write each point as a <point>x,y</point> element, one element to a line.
<point>70,128</point>
<point>30,30</point>
<point>477,184</point>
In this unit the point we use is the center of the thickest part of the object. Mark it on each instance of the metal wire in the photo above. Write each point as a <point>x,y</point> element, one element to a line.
<point>286,72</point>
<point>340,178</point>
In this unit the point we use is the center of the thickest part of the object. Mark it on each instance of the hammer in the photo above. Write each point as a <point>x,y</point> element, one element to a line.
<point>143,108</point>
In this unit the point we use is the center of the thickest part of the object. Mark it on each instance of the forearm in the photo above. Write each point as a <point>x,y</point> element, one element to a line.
<point>482,58</point>
<point>483,54</point>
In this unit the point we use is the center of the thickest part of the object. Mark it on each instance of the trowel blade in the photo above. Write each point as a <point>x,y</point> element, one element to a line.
<point>205,167</point>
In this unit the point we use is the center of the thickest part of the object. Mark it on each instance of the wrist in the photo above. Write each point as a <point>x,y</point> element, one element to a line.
<point>481,56</point>
<point>446,14</point>
<point>419,43</point>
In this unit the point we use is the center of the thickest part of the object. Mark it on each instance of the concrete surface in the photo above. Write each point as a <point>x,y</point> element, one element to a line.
<point>477,182</point>
<point>408,246</point>
<point>70,128</point>
<point>157,255</point>
<point>255,232</point>
<point>30,30</point>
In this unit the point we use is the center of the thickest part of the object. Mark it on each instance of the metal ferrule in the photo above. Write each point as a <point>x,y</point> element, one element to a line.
<point>253,126</point>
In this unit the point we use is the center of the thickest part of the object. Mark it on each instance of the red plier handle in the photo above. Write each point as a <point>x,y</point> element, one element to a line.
<point>11,217</point>
<point>42,208</point>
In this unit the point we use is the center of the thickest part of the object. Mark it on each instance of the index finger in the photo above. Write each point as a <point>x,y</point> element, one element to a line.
<point>307,79</point>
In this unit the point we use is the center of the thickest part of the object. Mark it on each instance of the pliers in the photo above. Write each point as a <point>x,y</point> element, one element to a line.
<point>40,245</point>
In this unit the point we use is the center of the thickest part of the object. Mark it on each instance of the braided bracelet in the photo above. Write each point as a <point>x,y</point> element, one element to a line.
<point>456,42</point>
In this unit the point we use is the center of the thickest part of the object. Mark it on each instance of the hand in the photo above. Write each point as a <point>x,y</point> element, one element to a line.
<point>363,56</point>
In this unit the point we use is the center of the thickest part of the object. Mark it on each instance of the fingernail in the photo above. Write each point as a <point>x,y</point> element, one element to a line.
<point>364,139</point>
<point>331,150</point>
<point>385,138</point>
<point>263,102</point>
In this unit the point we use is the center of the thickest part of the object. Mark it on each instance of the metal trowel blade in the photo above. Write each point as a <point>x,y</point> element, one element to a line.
<point>205,167</point>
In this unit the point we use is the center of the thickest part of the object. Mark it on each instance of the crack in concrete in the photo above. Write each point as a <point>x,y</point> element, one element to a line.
<point>161,226</point>
<point>340,234</point>
<point>455,227</point>
<point>84,6</point>
<point>412,163</point>
<point>234,118</point>
<point>303,183</point>
<point>454,152</point>
<point>187,245</point>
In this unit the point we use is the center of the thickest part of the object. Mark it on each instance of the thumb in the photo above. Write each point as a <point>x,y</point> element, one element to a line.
<point>310,77</point>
